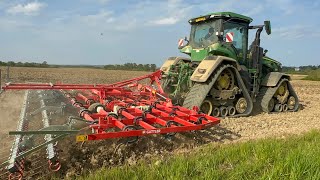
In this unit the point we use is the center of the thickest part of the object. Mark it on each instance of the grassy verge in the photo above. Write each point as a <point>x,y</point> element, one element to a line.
<point>291,158</point>
<point>313,75</point>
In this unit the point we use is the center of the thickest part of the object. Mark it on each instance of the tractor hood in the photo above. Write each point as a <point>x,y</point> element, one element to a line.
<point>219,48</point>
<point>271,63</point>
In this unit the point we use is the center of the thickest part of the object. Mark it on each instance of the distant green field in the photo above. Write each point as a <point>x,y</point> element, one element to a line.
<point>295,157</point>
<point>313,75</point>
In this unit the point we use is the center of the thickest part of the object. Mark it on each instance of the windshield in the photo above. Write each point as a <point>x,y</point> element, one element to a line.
<point>203,34</point>
<point>237,34</point>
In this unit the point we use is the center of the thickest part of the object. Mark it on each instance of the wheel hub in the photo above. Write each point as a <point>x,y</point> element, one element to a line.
<point>225,80</point>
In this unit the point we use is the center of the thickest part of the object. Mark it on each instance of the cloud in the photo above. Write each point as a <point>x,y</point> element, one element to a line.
<point>103,1</point>
<point>174,12</point>
<point>254,11</point>
<point>297,32</point>
<point>166,21</point>
<point>100,18</point>
<point>31,8</point>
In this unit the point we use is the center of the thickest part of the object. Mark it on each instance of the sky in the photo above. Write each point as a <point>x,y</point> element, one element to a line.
<point>100,32</point>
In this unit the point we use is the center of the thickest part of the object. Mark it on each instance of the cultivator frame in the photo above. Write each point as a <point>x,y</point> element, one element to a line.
<point>123,109</point>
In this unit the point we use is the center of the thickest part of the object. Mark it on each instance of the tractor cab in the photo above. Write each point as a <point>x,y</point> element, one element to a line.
<point>222,33</point>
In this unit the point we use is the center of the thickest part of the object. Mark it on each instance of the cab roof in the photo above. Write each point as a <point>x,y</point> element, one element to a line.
<point>223,14</point>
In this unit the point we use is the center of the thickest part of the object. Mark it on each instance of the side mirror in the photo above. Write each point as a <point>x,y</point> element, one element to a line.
<point>265,52</point>
<point>267,26</point>
<point>186,39</point>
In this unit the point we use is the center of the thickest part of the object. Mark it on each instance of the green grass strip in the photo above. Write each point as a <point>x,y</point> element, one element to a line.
<point>296,157</point>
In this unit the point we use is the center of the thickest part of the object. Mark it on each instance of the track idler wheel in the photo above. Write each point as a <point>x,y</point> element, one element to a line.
<point>206,106</point>
<point>291,102</point>
<point>223,111</point>
<point>241,105</point>
<point>278,108</point>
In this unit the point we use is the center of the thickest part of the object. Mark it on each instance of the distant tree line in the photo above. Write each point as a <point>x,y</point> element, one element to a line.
<point>44,64</point>
<point>131,66</point>
<point>301,69</point>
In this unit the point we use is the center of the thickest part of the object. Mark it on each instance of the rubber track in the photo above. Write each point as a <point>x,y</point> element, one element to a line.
<point>266,93</point>
<point>199,91</point>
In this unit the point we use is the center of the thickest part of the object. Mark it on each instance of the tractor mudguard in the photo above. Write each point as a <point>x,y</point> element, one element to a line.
<point>273,78</point>
<point>208,65</point>
<point>171,61</point>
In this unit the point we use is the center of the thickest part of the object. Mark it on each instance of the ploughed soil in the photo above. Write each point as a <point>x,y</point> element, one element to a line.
<point>79,158</point>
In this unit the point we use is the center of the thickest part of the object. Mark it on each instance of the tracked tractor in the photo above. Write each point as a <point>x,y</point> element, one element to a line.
<point>223,75</point>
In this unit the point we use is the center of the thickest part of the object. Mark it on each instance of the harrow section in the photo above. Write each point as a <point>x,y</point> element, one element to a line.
<point>131,108</point>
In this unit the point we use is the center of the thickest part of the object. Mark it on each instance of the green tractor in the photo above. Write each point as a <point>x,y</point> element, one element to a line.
<point>224,76</point>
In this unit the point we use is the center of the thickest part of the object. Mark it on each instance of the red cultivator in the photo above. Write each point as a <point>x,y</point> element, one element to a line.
<point>131,108</point>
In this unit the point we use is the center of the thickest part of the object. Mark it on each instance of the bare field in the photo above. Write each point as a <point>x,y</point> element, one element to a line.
<point>297,76</point>
<point>69,75</point>
<point>112,152</point>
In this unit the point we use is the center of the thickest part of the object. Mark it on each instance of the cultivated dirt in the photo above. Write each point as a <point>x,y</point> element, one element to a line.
<point>81,158</point>
<point>10,105</point>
